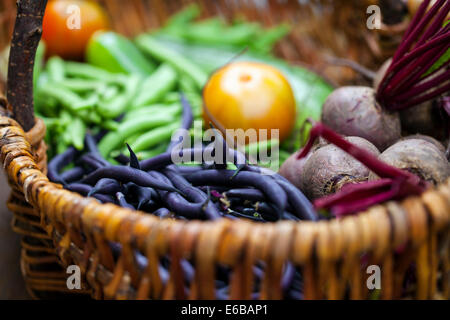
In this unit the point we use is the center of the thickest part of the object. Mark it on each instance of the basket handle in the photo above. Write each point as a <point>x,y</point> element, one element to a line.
<point>26,37</point>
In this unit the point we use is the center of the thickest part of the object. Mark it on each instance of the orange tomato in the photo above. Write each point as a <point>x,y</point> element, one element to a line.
<point>68,25</point>
<point>246,95</point>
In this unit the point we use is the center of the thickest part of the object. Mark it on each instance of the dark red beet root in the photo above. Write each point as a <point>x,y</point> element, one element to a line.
<point>329,168</point>
<point>353,111</point>
<point>355,197</point>
<point>419,157</point>
<point>432,140</point>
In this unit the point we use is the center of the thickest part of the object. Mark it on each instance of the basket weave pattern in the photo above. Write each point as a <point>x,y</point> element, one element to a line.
<point>61,227</point>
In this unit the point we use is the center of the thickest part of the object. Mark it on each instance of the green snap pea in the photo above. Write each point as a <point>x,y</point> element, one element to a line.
<point>142,155</point>
<point>116,106</point>
<point>154,137</point>
<point>56,69</point>
<point>160,52</point>
<point>82,85</point>
<point>77,130</point>
<point>83,70</point>
<point>110,125</point>
<point>156,86</point>
<point>172,109</point>
<point>65,97</point>
<point>126,129</point>
<point>38,62</point>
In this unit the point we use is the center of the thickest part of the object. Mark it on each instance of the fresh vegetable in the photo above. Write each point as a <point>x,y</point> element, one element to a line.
<point>417,74</point>
<point>419,157</point>
<point>352,198</point>
<point>68,25</point>
<point>353,111</point>
<point>115,53</point>
<point>245,95</point>
<point>329,168</point>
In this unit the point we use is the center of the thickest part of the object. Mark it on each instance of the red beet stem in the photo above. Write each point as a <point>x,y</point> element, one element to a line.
<point>353,191</point>
<point>423,98</point>
<point>436,25</point>
<point>425,41</point>
<point>415,27</point>
<point>362,204</point>
<point>424,86</point>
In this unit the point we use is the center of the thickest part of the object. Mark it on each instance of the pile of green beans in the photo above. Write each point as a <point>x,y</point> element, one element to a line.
<point>73,98</point>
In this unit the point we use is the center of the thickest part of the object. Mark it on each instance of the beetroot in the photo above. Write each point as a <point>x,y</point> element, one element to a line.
<point>432,140</point>
<point>355,197</point>
<point>353,111</point>
<point>328,168</point>
<point>417,74</point>
<point>419,157</point>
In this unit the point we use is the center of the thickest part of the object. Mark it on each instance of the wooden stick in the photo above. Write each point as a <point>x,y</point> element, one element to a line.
<point>26,36</point>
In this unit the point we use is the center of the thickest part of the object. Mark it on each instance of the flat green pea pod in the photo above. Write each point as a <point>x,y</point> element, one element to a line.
<point>77,130</point>
<point>126,129</point>
<point>56,69</point>
<point>156,86</point>
<point>154,137</point>
<point>110,125</point>
<point>117,54</point>
<point>81,86</point>
<point>173,109</point>
<point>157,50</point>
<point>142,155</point>
<point>65,97</point>
<point>38,62</point>
<point>114,107</point>
<point>87,71</point>
<point>184,17</point>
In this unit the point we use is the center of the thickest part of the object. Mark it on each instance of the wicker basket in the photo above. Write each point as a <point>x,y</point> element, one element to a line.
<point>62,228</point>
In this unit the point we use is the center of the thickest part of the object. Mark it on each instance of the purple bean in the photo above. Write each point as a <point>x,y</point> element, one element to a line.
<point>248,194</point>
<point>125,175</point>
<point>84,190</point>
<point>192,193</point>
<point>244,178</point>
<point>177,203</point>
<point>59,162</point>
<point>162,212</point>
<point>186,122</point>
<point>123,202</point>
<point>297,200</point>
<point>72,175</point>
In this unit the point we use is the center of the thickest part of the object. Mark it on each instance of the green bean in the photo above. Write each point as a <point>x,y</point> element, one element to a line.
<point>110,125</point>
<point>156,86</point>
<point>116,106</point>
<point>83,70</point>
<point>172,109</point>
<point>158,51</point>
<point>183,17</point>
<point>77,130</point>
<point>126,129</point>
<point>154,137</point>
<point>142,155</point>
<point>65,97</point>
<point>82,85</point>
<point>38,62</point>
<point>56,69</point>
<point>109,92</point>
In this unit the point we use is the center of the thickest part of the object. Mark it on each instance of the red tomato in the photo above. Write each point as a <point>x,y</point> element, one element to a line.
<point>245,95</point>
<point>68,25</point>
